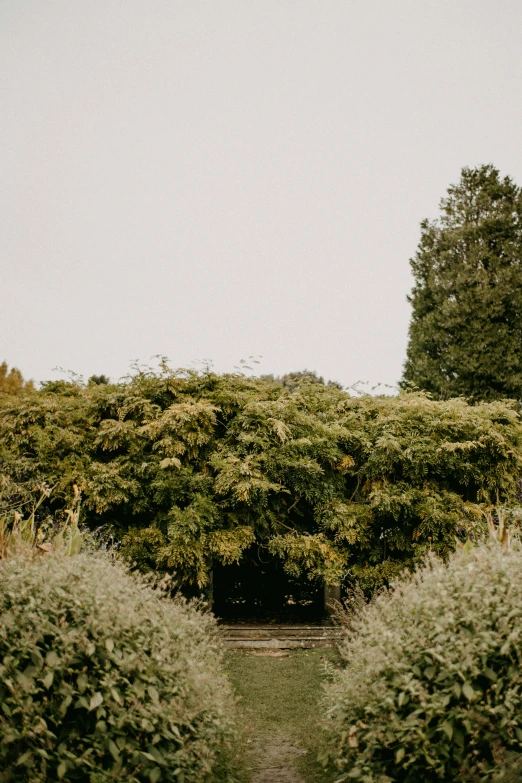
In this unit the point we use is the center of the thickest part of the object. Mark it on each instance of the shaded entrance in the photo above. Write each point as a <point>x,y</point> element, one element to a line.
<point>258,590</point>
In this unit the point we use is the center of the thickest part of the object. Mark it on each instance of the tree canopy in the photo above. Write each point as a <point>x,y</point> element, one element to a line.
<point>190,467</point>
<point>466,328</point>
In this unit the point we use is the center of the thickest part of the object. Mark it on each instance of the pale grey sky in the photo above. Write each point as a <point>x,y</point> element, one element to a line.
<point>211,180</point>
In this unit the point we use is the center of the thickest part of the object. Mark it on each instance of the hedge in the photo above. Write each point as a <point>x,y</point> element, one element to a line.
<point>431,688</point>
<point>102,678</point>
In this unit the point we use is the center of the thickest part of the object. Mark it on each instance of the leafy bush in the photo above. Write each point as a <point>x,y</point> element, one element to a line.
<point>102,678</point>
<point>191,468</point>
<point>432,689</point>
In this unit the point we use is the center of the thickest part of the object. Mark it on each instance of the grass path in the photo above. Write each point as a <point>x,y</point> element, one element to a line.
<point>279,697</point>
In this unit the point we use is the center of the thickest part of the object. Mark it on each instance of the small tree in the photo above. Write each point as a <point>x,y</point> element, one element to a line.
<point>12,382</point>
<point>465,333</point>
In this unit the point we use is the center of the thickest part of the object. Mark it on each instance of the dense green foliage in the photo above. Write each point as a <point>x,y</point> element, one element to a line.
<point>102,679</point>
<point>465,333</point>
<point>432,689</point>
<point>192,467</point>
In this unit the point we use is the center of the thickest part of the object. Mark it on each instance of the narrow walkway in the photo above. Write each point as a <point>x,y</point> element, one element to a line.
<point>276,762</point>
<point>279,692</point>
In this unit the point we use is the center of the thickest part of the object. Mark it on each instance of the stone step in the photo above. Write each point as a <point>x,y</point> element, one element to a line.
<point>281,626</point>
<point>278,644</point>
<point>278,633</point>
<point>280,636</point>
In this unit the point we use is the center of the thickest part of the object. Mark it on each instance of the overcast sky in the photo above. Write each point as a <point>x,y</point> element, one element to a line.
<point>214,180</point>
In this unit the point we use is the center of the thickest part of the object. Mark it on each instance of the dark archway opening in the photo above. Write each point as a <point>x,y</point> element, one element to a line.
<point>258,590</point>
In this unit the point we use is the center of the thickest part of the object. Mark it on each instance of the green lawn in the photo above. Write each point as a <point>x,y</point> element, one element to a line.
<point>279,704</point>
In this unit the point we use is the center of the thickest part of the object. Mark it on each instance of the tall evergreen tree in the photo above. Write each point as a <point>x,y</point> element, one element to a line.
<point>466,329</point>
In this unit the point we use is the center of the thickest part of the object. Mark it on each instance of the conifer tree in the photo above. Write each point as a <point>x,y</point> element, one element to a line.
<point>466,330</point>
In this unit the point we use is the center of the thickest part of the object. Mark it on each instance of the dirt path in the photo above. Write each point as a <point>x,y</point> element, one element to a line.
<point>279,697</point>
<point>276,762</point>
<point>275,759</point>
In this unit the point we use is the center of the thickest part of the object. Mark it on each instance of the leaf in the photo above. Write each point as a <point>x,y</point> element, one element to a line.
<point>353,742</point>
<point>399,755</point>
<point>113,750</point>
<point>447,728</point>
<point>82,682</point>
<point>96,700</point>
<point>75,544</point>
<point>403,698</point>
<point>52,658</point>
<point>109,644</point>
<point>156,754</point>
<point>36,657</point>
<point>170,462</point>
<point>468,691</point>
<point>116,696</point>
<point>24,759</point>
<point>48,679</point>
<point>62,769</point>
<point>155,775</point>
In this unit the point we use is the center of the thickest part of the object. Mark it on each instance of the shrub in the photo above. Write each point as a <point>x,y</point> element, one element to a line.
<point>102,678</point>
<point>192,468</point>
<point>432,689</point>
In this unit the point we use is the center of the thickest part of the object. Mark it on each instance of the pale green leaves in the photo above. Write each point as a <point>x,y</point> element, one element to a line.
<point>431,672</point>
<point>95,701</point>
<point>111,668</point>
<point>170,462</point>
